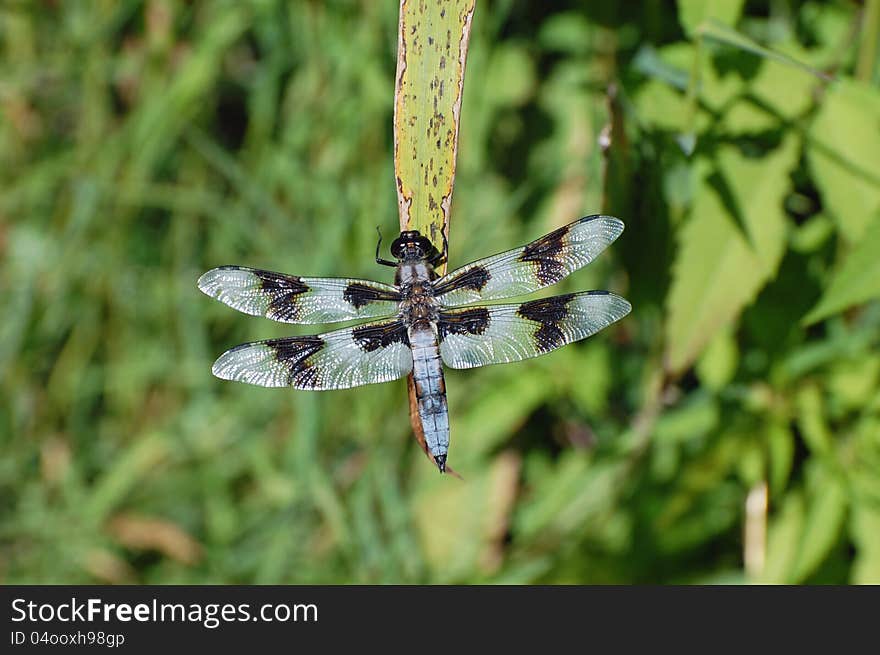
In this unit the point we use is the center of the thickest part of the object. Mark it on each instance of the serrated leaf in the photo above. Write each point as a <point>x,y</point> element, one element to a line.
<point>857,280</point>
<point>659,105</point>
<point>717,30</point>
<point>842,149</point>
<point>729,249</point>
<point>716,89</point>
<point>783,89</point>
<point>693,13</point>
<point>777,91</point>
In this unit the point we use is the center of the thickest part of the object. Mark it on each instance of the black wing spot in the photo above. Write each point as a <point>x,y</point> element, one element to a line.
<point>293,353</point>
<point>467,321</point>
<point>544,252</point>
<point>282,289</point>
<point>549,314</point>
<point>475,278</point>
<point>549,337</point>
<point>373,337</point>
<point>546,310</point>
<point>359,295</point>
<point>279,283</point>
<point>306,377</point>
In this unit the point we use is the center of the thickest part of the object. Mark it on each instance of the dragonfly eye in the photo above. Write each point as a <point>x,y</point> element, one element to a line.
<point>410,243</point>
<point>425,246</point>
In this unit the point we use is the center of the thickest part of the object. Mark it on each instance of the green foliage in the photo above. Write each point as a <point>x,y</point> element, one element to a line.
<point>857,280</point>
<point>144,142</point>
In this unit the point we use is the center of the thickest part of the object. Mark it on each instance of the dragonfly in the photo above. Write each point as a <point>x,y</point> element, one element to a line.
<point>427,320</point>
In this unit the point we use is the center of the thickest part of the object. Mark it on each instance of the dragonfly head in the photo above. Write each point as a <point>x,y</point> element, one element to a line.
<point>411,245</point>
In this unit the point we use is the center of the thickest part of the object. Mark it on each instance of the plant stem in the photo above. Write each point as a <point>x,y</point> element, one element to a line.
<point>870,36</point>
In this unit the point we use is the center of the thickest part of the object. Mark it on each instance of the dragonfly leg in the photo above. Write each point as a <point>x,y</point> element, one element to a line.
<point>379,260</point>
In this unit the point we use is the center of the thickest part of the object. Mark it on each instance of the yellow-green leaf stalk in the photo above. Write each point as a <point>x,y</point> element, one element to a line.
<point>431,53</point>
<point>432,50</point>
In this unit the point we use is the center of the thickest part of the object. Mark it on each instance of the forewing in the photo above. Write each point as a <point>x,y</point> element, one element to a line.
<point>350,357</point>
<point>476,336</point>
<point>523,270</point>
<point>292,299</point>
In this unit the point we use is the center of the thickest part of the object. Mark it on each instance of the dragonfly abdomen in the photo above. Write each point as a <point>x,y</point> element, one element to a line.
<point>430,390</point>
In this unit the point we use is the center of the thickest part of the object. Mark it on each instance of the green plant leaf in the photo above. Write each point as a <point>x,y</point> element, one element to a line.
<point>693,13</point>
<point>843,147</point>
<point>660,105</point>
<point>720,267</point>
<point>783,539</point>
<point>857,280</point>
<point>430,80</point>
<point>780,447</point>
<point>824,519</point>
<point>717,30</point>
<point>811,419</point>
<point>777,91</point>
<point>864,528</point>
<point>717,365</point>
<point>853,382</point>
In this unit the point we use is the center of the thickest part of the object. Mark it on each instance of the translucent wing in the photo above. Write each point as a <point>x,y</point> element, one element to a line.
<point>350,357</point>
<point>523,270</point>
<point>476,336</point>
<point>292,299</point>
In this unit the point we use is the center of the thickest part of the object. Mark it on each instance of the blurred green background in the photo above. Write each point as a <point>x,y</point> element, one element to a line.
<point>728,430</point>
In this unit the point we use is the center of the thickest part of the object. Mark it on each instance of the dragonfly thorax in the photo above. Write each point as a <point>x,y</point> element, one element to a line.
<point>418,304</point>
<point>419,309</point>
<point>413,274</point>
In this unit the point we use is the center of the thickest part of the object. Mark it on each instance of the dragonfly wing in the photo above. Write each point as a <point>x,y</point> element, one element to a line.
<point>293,299</point>
<point>477,336</point>
<point>350,357</point>
<point>534,266</point>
